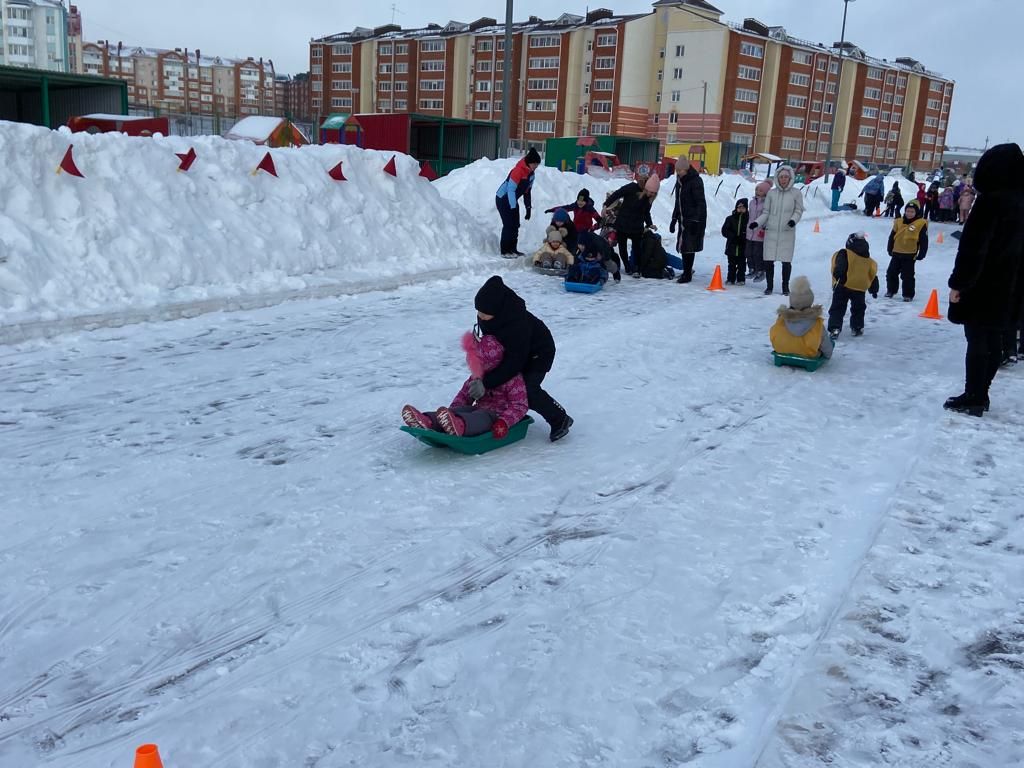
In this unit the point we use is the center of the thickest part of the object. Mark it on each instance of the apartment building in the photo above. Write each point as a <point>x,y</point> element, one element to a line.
<point>74,40</point>
<point>293,97</point>
<point>678,73</point>
<point>182,82</point>
<point>34,33</point>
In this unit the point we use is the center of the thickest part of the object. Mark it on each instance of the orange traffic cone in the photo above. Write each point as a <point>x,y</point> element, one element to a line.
<point>148,756</point>
<point>716,280</point>
<point>940,240</point>
<point>817,226</point>
<point>931,312</point>
<point>878,212</point>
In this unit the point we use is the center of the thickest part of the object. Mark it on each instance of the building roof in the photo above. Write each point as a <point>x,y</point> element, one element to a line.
<point>697,4</point>
<point>127,51</point>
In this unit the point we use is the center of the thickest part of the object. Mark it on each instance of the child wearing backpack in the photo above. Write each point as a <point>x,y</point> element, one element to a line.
<point>498,409</point>
<point>734,230</point>
<point>854,273</point>
<point>893,202</point>
<point>908,244</point>
<point>800,328</point>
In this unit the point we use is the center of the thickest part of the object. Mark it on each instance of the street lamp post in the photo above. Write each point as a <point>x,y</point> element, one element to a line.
<point>839,80</point>
<point>506,83</point>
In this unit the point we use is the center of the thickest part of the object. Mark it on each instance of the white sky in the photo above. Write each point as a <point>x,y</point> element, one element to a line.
<point>976,43</point>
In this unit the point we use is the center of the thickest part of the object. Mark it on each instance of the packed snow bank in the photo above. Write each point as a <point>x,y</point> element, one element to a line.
<point>136,234</point>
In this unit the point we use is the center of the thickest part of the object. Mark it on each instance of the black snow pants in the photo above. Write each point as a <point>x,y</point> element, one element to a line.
<point>841,297</point>
<point>901,267</point>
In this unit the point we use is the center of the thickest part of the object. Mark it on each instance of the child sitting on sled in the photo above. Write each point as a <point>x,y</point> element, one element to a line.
<point>499,408</point>
<point>553,254</point>
<point>592,262</point>
<point>800,328</point>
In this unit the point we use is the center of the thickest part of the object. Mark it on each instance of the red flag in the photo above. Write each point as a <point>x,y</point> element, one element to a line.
<point>427,171</point>
<point>68,164</point>
<point>266,164</point>
<point>186,159</point>
<point>336,174</point>
<point>390,167</point>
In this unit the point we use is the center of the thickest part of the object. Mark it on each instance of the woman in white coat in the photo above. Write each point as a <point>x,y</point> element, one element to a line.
<point>782,210</point>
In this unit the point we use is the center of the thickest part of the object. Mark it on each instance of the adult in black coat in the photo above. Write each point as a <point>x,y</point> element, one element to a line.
<point>987,285</point>
<point>529,350</point>
<point>690,214</point>
<point>631,219</point>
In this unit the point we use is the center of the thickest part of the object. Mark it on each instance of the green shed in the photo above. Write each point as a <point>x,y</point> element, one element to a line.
<point>50,99</point>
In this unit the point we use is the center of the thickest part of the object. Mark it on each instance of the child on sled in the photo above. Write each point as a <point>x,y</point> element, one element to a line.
<point>553,254</point>
<point>499,408</point>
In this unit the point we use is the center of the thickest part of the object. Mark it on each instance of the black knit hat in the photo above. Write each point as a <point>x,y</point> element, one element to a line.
<point>491,297</point>
<point>531,157</point>
<point>858,243</point>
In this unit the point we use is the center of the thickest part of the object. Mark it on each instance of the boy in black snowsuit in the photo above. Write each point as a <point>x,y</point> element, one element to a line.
<point>734,230</point>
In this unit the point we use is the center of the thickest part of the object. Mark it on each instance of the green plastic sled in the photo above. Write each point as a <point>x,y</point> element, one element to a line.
<point>471,446</point>
<point>798,361</point>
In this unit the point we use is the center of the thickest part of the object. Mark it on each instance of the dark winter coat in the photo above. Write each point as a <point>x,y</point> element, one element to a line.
<point>590,242</point>
<point>989,268</point>
<point>585,218</point>
<point>529,346</point>
<point>634,213</point>
<point>734,230</point>
<point>652,259</point>
<point>839,181</point>
<point>690,212</point>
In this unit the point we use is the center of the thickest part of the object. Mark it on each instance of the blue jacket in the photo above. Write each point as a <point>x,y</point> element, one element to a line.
<point>875,187</point>
<point>585,271</point>
<point>517,184</point>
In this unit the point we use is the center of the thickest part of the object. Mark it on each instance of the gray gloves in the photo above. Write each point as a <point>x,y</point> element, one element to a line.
<point>476,389</point>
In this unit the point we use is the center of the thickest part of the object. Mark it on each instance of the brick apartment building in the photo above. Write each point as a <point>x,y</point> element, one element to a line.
<point>293,97</point>
<point>182,82</point>
<point>677,73</point>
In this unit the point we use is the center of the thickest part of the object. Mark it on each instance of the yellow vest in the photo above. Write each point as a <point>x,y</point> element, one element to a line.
<point>785,343</point>
<point>860,272</point>
<point>906,241</point>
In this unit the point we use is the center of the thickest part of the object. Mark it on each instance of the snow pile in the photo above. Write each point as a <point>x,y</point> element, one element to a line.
<point>134,233</point>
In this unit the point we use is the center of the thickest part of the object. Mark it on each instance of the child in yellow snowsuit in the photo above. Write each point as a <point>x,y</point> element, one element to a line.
<point>854,273</point>
<point>800,327</point>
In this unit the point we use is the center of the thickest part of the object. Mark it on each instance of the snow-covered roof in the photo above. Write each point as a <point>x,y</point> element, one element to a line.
<point>122,118</point>
<point>127,51</point>
<point>254,128</point>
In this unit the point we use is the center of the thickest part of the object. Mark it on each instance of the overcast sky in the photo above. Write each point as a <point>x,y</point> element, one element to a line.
<point>975,42</point>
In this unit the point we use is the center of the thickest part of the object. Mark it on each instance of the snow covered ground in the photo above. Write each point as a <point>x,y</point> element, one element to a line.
<point>218,540</point>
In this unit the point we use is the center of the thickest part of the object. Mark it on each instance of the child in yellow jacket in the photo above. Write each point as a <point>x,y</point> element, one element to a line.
<point>854,273</point>
<point>800,328</point>
<point>908,244</point>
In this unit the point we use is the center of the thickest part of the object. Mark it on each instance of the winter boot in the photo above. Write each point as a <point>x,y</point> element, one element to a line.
<point>965,403</point>
<point>889,295</point>
<point>858,331</point>
<point>451,423</point>
<point>833,334</point>
<point>413,418</point>
<point>557,433</point>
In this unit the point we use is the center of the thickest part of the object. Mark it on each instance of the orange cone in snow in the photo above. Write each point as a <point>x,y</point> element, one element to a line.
<point>148,756</point>
<point>817,226</point>
<point>716,280</point>
<point>878,212</point>
<point>931,312</point>
<point>940,240</point>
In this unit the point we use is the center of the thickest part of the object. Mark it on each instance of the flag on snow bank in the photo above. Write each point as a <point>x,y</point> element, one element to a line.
<point>68,164</point>
<point>186,159</point>
<point>427,171</point>
<point>390,168</point>
<point>336,174</point>
<point>266,164</point>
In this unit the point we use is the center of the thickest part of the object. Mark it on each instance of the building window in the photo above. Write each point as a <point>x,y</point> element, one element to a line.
<point>813,126</point>
<point>431,104</point>
<point>829,108</point>
<point>872,93</point>
<point>883,135</point>
<point>749,73</point>
<point>317,52</point>
<point>797,102</point>
<point>826,127</point>
<point>316,103</point>
<point>890,154</point>
<point>341,102</point>
<point>874,73</point>
<point>539,84</point>
<point>483,66</point>
<point>934,104</point>
<point>802,57</point>
<point>483,86</point>
<point>822,65</point>
<point>341,68</point>
<point>812,147</point>
<point>540,126</point>
<point>483,106</point>
<point>751,49</point>
<point>544,41</point>
<point>819,85</point>
<point>677,73</point>
<point>870,112</point>
<point>316,69</point>
<point>931,122</point>
<point>901,82</point>
<point>606,41</point>
<point>384,69</point>
<point>676,97</point>
<point>942,125</point>
<point>803,81</point>
<point>604,62</point>
<point>342,49</point>
<point>897,117</point>
<point>680,50</point>
<point>384,86</point>
<point>401,86</point>
<point>927,138</point>
<point>744,118</point>
<point>601,129</point>
<point>385,50</point>
<point>540,106</point>
<point>867,132</point>
<point>601,108</point>
<point>484,46</point>
<point>401,104</point>
<point>402,68</point>
<point>436,65</point>
<point>673,117</point>
<point>890,79</point>
<point>431,46</point>
<point>791,145</point>
<point>431,85</point>
<point>548,62</point>
<point>832,89</point>
<point>316,85</point>
<point>341,85</point>
<point>743,139</point>
<point>384,104</point>
<point>604,85</point>
<point>879,153</point>
<point>745,94</point>
<point>794,122</point>
<point>864,150</point>
<point>402,49</point>
<point>935,87</point>
<point>926,157</point>
<point>885,117</point>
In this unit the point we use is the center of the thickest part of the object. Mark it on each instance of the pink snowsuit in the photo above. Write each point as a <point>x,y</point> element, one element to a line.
<point>509,401</point>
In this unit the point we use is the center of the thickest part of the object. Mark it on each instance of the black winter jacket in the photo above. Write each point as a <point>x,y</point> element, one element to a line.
<point>635,210</point>
<point>734,230</point>
<point>529,346</point>
<point>989,268</point>
<point>690,211</point>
